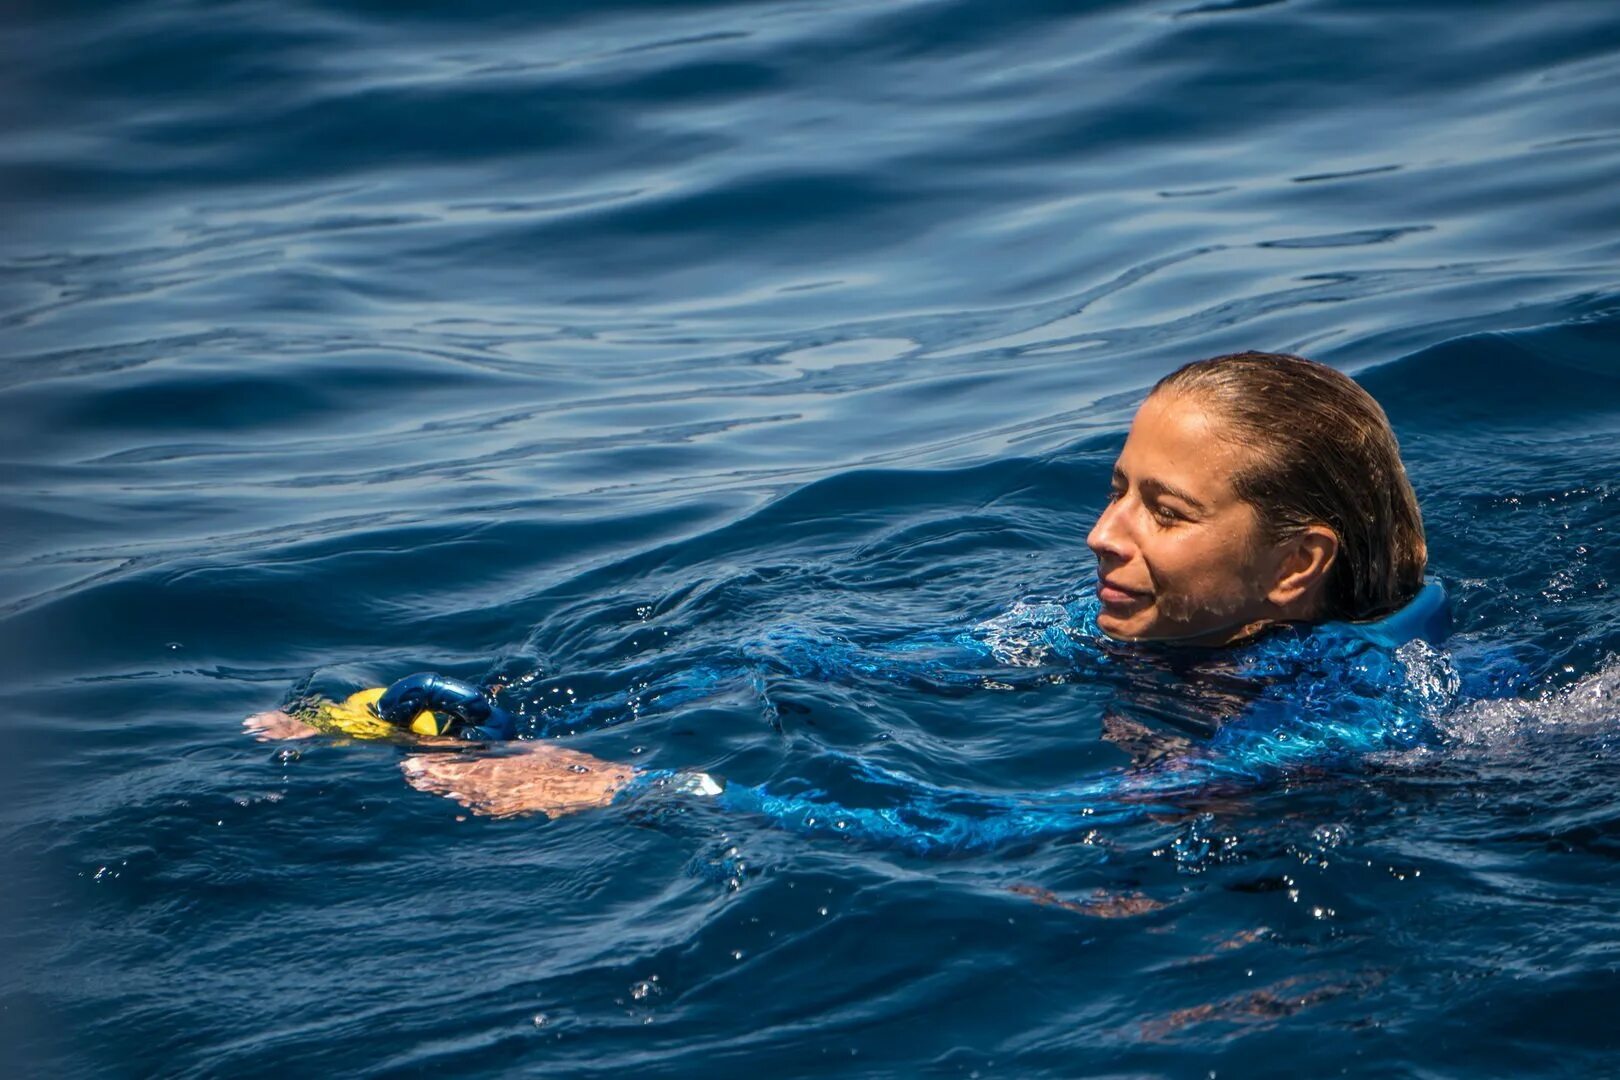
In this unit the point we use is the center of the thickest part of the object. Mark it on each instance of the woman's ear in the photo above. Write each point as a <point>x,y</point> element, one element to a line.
<point>1306,558</point>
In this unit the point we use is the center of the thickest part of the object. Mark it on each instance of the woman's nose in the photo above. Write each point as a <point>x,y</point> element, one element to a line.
<point>1109,539</point>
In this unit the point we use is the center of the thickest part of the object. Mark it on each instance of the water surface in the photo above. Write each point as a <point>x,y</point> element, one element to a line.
<point>578,345</point>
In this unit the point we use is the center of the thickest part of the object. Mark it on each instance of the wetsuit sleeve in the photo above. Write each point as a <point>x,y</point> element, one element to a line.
<point>926,819</point>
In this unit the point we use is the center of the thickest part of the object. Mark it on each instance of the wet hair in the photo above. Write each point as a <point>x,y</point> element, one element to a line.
<point>1323,454</point>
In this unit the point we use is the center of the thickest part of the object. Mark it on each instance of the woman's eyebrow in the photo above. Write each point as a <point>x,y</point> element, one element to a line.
<point>1159,488</point>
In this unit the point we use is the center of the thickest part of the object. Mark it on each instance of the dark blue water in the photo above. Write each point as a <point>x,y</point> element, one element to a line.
<point>580,344</point>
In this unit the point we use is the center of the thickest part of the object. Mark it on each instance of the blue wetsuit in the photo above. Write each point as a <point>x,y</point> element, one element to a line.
<point>1316,696</point>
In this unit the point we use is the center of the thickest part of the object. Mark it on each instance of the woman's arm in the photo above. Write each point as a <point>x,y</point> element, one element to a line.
<point>925,819</point>
<point>543,777</point>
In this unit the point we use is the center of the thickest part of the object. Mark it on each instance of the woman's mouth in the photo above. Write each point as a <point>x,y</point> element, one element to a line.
<point>1116,596</point>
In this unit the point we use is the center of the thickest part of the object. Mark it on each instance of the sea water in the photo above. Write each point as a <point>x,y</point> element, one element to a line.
<point>580,346</point>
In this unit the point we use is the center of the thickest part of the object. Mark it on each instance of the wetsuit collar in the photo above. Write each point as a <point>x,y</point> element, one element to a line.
<point>1426,617</point>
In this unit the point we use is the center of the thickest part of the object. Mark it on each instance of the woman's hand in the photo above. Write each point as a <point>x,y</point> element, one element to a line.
<point>275,724</point>
<point>539,778</point>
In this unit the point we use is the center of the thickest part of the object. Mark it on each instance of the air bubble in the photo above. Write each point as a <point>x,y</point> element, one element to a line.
<point>1329,836</point>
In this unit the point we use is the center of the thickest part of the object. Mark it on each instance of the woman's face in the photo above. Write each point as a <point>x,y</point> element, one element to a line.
<point>1179,555</point>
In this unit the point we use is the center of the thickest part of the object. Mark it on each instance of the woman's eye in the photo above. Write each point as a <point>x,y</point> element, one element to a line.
<point>1166,516</point>
<point>1115,494</point>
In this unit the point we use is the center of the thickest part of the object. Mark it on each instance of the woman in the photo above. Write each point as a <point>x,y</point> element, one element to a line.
<point>1255,491</point>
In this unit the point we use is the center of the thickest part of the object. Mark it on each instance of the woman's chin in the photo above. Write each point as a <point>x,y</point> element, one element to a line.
<point>1125,625</point>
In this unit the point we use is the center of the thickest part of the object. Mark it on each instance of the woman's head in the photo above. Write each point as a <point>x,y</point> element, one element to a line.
<point>1255,488</point>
